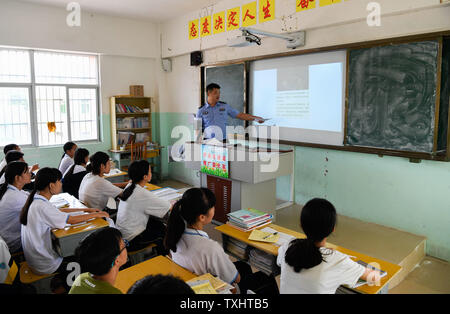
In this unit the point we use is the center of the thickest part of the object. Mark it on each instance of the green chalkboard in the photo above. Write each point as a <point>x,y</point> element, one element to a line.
<point>392,93</point>
<point>231,79</point>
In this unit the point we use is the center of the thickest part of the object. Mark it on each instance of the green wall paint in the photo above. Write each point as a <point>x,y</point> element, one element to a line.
<point>388,191</point>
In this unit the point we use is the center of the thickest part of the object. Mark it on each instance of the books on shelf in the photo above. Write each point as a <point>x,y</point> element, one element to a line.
<point>248,219</point>
<point>121,108</point>
<point>125,138</point>
<point>132,123</point>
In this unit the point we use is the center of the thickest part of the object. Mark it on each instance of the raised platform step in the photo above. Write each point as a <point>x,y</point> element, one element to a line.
<point>389,244</point>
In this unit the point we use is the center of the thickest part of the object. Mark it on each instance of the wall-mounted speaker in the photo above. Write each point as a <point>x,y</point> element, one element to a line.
<point>196,58</point>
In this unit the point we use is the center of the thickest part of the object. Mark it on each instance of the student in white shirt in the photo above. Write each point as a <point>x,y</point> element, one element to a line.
<point>6,149</point>
<point>191,247</point>
<point>38,217</point>
<point>67,157</point>
<point>12,199</point>
<point>74,175</point>
<point>307,266</point>
<point>95,190</point>
<point>140,211</point>
<point>15,155</point>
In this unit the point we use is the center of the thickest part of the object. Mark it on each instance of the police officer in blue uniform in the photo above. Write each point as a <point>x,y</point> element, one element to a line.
<point>214,114</point>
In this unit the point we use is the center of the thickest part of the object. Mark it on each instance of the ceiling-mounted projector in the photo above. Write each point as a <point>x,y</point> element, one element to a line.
<point>248,38</point>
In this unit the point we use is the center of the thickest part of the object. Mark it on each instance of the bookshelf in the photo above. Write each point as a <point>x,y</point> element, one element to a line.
<point>138,123</point>
<point>128,118</point>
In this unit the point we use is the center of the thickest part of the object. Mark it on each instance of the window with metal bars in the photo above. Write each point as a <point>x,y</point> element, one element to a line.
<point>47,97</point>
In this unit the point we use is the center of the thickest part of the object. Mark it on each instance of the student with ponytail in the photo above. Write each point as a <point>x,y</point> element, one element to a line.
<point>67,157</point>
<point>12,199</point>
<point>307,266</point>
<point>75,174</point>
<point>140,212</point>
<point>94,188</point>
<point>38,217</point>
<point>191,247</point>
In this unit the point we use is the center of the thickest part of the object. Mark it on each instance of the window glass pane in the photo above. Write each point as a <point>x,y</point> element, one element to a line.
<point>62,68</point>
<point>14,66</point>
<point>51,109</point>
<point>15,116</point>
<point>83,113</point>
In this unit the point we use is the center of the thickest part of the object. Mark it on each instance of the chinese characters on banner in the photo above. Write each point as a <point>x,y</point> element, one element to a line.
<point>215,160</point>
<point>305,5</point>
<point>233,19</point>
<point>259,11</point>
<point>205,26</point>
<point>193,29</point>
<point>219,23</point>
<point>266,10</point>
<point>249,13</point>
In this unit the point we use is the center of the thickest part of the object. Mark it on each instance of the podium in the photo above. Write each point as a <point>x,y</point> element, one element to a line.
<point>252,177</point>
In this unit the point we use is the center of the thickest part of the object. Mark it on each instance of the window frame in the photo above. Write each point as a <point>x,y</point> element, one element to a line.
<point>31,86</point>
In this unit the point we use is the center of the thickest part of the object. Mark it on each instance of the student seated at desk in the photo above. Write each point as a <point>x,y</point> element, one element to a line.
<point>94,188</point>
<point>307,266</point>
<point>160,284</point>
<point>12,199</point>
<point>191,247</point>
<point>38,217</point>
<point>74,175</point>
<point>139,209</point>
<point>6,149</point>
<point>15,155</point>
<point>100,256</point>
<point>67,158</point>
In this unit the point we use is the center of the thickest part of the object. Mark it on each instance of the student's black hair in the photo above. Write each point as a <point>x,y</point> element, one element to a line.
<point>79,158</point>
<point>13,169</point>
<point>160,284</point>
<point>318,219</point>
<point>195,202</point>
<point>9,147</point>
<point>98,251</point>
<point>136,172</point>
<point>66,147</point>
<point>12,155</point>
<point>211,87</point>
<point>98,159</point>
<point>44,177</point>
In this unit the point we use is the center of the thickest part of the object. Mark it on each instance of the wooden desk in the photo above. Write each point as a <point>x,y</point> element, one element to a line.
<point>116,177</point>
<point>157,265</point>
<point>67,239</point>
<point>272,249</point>
<point>152,187</point>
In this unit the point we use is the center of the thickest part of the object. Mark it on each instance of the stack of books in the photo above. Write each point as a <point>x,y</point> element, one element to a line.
<point>261,260</point>
<point>248,219</point>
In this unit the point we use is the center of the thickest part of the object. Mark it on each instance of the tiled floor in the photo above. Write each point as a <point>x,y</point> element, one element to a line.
<point>430,276</point>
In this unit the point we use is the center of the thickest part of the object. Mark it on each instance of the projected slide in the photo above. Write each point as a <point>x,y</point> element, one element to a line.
<point>300,96</point>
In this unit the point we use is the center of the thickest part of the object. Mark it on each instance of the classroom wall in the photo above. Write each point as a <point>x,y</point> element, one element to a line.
<point>388,191</point>
<point>128,50</point>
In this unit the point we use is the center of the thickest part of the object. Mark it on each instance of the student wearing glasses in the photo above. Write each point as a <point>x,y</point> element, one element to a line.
<point>100,256</point>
